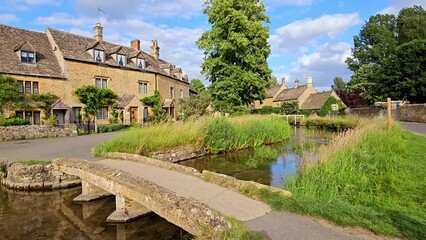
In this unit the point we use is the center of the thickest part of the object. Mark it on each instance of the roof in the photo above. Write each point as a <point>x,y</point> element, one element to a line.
<point>13,39</point>
<point>291,94</point>
<point>316,100</point>
<point>272,91</point>
<point>168,103</point>
<point>59,104</point>
<point>125,100</point>
<point>74,47</point>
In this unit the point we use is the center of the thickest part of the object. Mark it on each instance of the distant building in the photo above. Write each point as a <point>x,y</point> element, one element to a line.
<point>60,62</point>
<point>306,95</point>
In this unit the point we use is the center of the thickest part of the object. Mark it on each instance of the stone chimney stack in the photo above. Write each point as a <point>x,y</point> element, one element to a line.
<point>309,81</point>
<point>98,32</point>
<point>296,83</point>
<point>135,44</point>
<point>155,49</point>
<point>283,81</point>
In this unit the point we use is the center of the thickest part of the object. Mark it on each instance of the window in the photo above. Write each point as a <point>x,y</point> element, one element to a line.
<point>145,114</point>
<point>181,93</point>
<point>99,55</point>
<point>140,63</point>
<point>121,60</point>
<point>102,113</point>
<point>172,92</point>
<point>32,116</point>
<point>21,86</point>
<point>28,57</point>
<point>143,87</point>
<point>27,87</point>
<point>101,83</point>
<point>35,87</point>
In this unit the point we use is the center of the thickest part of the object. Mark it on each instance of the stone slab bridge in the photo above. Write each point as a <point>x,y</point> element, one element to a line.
<point>179,194</point>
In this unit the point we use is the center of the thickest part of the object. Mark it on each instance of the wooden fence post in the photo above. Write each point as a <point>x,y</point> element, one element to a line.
<point>389,114</point>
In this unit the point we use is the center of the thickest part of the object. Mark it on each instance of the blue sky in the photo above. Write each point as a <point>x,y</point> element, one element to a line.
<point>307,37</point>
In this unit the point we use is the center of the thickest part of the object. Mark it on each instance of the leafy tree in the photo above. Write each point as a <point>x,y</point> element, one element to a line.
<point>154,102</point>
<point>8,91</point>
<point>291,107</point>
<point>236,50</point>
<point>198,85</point>
<point>43,101</point>
<point>94,98</point>
<point>352,98</point>
<point>388,56</point>
<point>339,84</point>
<point>196,105</point>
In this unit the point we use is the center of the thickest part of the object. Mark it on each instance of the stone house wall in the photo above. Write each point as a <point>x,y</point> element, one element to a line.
<point>36,131</point>
<point>412,113</point>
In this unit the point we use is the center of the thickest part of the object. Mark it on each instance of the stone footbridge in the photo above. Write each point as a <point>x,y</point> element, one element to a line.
<point>177,193</point>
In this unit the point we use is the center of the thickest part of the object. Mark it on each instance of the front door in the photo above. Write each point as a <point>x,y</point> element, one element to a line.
<point>133,115</point>
<point>60,116</point>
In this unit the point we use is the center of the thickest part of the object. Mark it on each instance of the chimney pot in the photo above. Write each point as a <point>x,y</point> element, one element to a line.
<point>155,49</point>
<point>97,29</point>
<point>296,83</point>
<point>135,44</point>
<point>309,81</point>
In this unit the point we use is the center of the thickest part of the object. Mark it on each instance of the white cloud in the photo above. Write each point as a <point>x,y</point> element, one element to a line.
<point>327,62</point>
<point>296,36</point>
<point>396,5</point>
<point>8,18</point>
<point>116,9</point>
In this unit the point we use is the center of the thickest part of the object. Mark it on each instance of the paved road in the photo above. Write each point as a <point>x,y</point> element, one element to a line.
<point>51,148</point>
<point>256,215</point>
<point>419,128</point>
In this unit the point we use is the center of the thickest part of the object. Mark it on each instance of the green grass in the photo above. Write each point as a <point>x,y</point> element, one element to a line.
<point>334,123</point>
<point>36,162</point>
<point>377,183</point>
<point>213,135</point>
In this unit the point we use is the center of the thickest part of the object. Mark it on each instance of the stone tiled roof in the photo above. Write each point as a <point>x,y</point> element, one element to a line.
<point>12,39</point>
<point>168,103</point>
<point>316,100</point>
<point>272,91</point>
<point>74,47</point>
<point>125,100</point>
<point>291,94</point>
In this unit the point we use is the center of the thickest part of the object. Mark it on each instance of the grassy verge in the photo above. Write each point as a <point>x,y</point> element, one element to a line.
<point>36,162</point>
<point>334,123</point>
<point>375,180</point>
<point>212,135</point>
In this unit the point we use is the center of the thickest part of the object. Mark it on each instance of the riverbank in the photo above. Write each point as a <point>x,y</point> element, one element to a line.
<point>184,140</point>
<point>369,177</point>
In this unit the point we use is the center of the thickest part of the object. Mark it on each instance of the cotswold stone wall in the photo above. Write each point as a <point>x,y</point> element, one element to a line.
<point>412,113</point>
<point>36,131</point>
<point>19,176</point>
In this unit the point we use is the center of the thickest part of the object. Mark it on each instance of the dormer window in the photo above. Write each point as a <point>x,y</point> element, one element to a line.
<point>28,57</point>
<point>140,63</point>
<point>99,55</point>
<point>121,60</point>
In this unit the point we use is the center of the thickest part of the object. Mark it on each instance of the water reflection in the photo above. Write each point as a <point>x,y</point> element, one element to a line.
<point>273,174</point>
<point>53,215</point>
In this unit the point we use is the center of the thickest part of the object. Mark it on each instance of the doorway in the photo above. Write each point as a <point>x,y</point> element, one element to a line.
<point>133,115</point>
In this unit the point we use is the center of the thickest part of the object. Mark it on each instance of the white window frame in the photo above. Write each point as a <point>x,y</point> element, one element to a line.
<point>101,82</point>
<point>101,55</point>
<point>121,58</point>
<point>143,87</point>
<point>140,63</point>
<point>27,53</point>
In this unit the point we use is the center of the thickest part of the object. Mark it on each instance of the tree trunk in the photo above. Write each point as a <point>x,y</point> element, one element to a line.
<point>96,126</point>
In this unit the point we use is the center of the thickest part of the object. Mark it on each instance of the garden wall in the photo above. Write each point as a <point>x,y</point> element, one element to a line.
<point>36,131</point>
<point>412,113</point>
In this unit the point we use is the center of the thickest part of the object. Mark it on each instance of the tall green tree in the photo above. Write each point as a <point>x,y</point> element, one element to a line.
<point>93,99</point>
<point>198,85</point>
<point>386,57</point>
<point>339,84</point>
<point>236,51</point>
<point>8,91</point>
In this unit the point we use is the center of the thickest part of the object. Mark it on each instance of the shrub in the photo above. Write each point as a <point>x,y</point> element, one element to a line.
<point>13,121</point>
<point>289,108</point>
<point>335,123</point>
<point>51,121</point>
<point>326,108</point>
<point>111,128</point>
<point>220,136</point>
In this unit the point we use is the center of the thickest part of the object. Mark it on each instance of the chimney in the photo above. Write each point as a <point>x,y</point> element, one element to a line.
<point>155,49</point>
<point>98,32</point>
<point>309,81</point>
<point>135,44</point>
<point>296,83</point>
<point>283,81</point>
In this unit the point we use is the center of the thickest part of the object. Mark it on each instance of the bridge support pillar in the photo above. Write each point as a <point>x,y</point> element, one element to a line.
<point>126,210</point>
<point>91,193</point>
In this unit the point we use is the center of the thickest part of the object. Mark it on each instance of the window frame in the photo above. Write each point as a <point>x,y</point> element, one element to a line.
<point>121,58</point>
<point>103,82</point>
<point>172,92</point>
<point>101,55</point>
<point>26,59</point>
<point>140,63</point>
<point>102,113</point>
<point>34,116</point>
<point>143,87</point>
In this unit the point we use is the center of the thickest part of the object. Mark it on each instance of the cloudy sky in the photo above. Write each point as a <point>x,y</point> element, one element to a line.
<point>307,37</point>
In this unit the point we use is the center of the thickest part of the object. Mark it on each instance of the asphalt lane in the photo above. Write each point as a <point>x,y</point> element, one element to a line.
<point>51,148</point>
<point>419,128</point>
